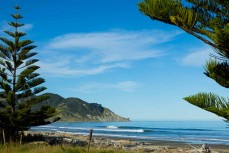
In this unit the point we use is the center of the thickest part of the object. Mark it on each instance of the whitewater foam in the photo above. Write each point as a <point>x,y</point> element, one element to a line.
<point>121,130</point>
<point>112,127</point>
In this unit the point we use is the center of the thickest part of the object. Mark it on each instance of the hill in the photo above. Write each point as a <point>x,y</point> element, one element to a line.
<point>75,109</point>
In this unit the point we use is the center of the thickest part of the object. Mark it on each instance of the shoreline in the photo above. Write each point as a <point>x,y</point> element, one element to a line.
<point>129,144</point>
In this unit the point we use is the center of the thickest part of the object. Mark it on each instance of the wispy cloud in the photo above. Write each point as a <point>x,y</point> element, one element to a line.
<point>62,69</point>
<point>197,57</point>
<point>126,86</point>
<point>97,52</point>
<point>114,46</point>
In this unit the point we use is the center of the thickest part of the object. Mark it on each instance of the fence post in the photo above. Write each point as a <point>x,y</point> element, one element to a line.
<point>21,134</point>
<point>3,136</point>
<point>89,141</point>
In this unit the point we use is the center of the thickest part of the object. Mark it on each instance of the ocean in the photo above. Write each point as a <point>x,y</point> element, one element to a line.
<point>194,132</point>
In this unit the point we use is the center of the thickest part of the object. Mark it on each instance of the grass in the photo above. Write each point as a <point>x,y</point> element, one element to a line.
<point>41,148</point>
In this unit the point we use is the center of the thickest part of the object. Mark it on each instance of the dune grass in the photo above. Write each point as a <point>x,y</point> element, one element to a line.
<point>41,148</point>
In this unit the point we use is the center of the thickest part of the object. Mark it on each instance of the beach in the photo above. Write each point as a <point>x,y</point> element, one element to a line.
<point>56,138</point>
<point>141,136</point>
<point>191,132</point>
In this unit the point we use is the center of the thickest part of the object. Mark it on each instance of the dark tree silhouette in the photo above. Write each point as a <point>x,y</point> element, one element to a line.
<point>20,84</point>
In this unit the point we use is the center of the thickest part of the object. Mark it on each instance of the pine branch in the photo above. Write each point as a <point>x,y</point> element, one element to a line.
<point>24,43</point>
<point>17,16</point>
<point>218,71</point>
<point>29,70</point>
<point>219,7</point>
<point>15,34</point>
<point>15,24</point>
<point>8,42</point>
<point>194,21</point>
<point>29,63</point>
<point>5,52</point>
<point>210,102</point>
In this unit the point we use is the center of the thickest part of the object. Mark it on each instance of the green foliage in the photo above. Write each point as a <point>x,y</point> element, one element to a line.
<point>20,84</point>
<point>219,71</point>
<point>207,20</point>
<point>211,102</point>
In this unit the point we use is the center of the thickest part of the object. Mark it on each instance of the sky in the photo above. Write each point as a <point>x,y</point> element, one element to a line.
<point>108,52</point>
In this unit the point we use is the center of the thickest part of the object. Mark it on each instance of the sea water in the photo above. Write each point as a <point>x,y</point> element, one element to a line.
<point>195,132</point>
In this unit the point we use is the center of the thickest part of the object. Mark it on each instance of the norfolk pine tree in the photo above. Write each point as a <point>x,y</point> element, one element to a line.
<point>19,84</point>
<point>207,20</point>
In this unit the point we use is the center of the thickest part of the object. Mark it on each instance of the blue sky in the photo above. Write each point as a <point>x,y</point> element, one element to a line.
<point>109,53</point>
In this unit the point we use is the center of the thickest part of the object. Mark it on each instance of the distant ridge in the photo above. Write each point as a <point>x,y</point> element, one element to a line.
<point>75,109</point>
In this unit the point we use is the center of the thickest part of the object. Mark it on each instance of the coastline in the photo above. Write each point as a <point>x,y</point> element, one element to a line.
<point>127,144</point>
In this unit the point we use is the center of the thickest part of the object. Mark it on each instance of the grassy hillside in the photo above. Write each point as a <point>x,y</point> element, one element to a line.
<point>75,109</point>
